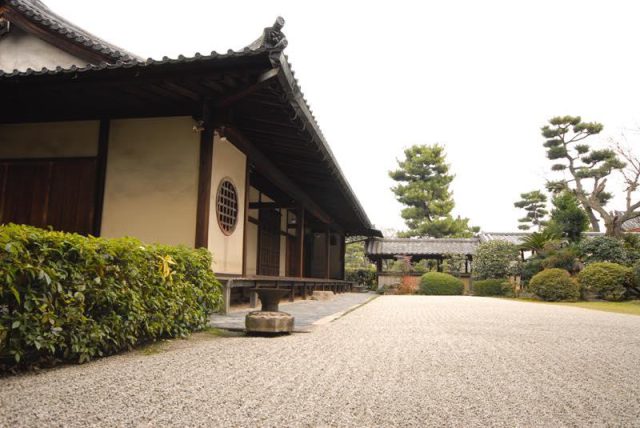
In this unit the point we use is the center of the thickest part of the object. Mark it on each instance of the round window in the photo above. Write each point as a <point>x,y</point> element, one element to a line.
<point>227,206</point>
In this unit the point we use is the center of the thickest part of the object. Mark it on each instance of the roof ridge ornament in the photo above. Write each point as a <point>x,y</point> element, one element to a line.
<point>272,37</point>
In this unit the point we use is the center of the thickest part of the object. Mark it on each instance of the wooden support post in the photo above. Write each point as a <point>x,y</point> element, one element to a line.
<point>245,231</point>
<point>292,295</point>
<point>101,174</point>
<point>379,265</point>
<point>327,264</point>
<point>343,250</point>
<point>300,240</point>
<point>205,171</point>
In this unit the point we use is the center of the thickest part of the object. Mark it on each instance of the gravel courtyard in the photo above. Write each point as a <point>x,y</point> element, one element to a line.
<point>397,361</point>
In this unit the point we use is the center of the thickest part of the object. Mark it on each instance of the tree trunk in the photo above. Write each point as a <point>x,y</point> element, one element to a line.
<point>595,224</point>
<point>614,226</point>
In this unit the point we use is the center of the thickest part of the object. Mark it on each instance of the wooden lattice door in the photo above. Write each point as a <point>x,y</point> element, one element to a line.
<point>269,242</point>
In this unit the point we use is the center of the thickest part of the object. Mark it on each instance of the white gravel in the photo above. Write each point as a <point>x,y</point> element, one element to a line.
<point>397,361</point>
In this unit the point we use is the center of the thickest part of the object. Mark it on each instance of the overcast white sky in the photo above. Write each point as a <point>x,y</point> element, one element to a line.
<point>481,78</point>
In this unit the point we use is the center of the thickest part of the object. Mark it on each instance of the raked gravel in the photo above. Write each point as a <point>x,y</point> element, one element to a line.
<point>397,361</point>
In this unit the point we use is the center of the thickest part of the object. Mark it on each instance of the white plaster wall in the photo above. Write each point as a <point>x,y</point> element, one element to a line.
<point>21,50</point>
<point>152,180</point>
<point>231,163</point>
<point>49,140</point>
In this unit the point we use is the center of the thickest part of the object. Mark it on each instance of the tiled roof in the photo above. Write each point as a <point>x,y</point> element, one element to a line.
<point>421,246</point>
<point>632,224</point>
<point>436,246</point>
<point>512,237</point>
<point>132,64</point>
<point>270,44</point>
<point>40,14</point>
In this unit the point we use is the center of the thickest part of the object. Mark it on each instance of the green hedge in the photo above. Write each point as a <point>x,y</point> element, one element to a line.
<point>68,297</point>
<point>492,287</point>
<point>554,284</point>
<point>443,284</point>
<point>608,281</point>
<point>365,277</point>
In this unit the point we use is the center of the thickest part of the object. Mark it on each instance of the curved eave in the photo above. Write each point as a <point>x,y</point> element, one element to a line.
<point>299,104</point>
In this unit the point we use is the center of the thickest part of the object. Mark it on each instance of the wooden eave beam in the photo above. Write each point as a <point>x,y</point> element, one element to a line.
<point>269,170</point>
<point>269,205</point>
<point>262,80</point>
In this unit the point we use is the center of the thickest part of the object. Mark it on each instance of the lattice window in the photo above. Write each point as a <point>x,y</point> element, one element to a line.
<point>227,206</point>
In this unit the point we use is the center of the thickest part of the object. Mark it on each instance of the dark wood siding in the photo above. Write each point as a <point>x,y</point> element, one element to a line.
<point>53,192</point>
<point>269,242</point>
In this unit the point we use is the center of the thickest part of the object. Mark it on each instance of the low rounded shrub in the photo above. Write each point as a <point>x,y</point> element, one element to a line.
<point>67,297</point>
<point>492,287</point>
<point>441,284</point>
<point>607,280</point>
<point>554,284</point>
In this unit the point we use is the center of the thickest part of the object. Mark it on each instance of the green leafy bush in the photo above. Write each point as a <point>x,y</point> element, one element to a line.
<point>69,297</point>
<point>636,274</point>
<point>554,284</point>
<point>531,267</point>
<point>604,249</point>
<point>496,260</point>
<point>443,284</point>
<point>366,277</point>
<point>608,281</point>
<point>492,287</point>
<point>564,258</point>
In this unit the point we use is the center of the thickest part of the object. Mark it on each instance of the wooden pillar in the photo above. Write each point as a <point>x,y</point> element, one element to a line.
<point>101,174</point>
<point>439,264</point>
<point>327,241</point>
<point>205,171</point>
<point>379,265</point>
<point>300,240</point>
<point>245,237</point>
<point>343,250</point>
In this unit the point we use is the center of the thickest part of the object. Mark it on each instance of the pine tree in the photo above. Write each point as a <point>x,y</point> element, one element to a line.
<point>423,186</point>
<point>534,203</point>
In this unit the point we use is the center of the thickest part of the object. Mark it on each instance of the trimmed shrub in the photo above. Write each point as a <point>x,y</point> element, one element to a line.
<point>441,284</point>
<point>366,277</point>
<point>496,260</point>
<point>608,281</point>
<point>604,249</point>
<point>492,287</point>
<point>636,274</point>
<point>565,258</point>
<point>69,297</point>
<point>554,284</point>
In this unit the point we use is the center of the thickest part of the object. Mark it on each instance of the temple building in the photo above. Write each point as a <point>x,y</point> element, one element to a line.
<point>217,150</point>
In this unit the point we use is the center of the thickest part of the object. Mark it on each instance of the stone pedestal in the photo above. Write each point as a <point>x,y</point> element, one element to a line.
<point>269,322</point>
